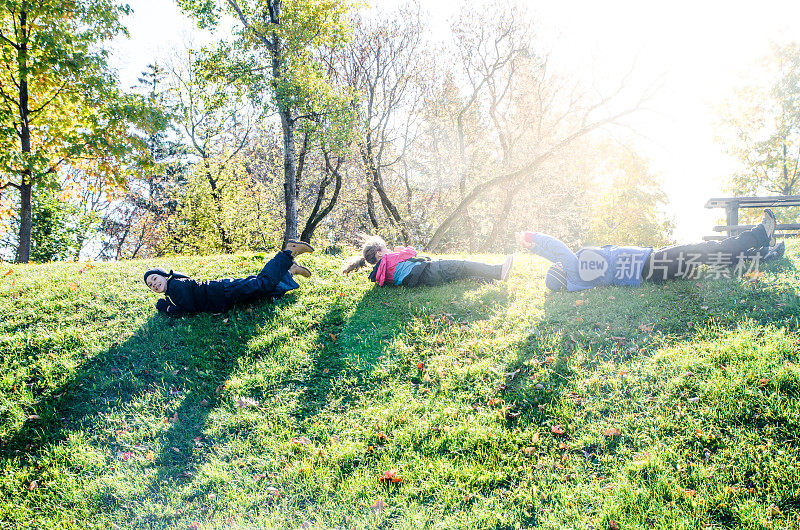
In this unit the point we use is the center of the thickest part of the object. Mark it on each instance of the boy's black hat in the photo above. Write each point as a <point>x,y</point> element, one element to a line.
<point>157,270</point>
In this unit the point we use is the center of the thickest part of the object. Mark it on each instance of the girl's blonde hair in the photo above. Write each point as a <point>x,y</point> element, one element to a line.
<point>372,245</point>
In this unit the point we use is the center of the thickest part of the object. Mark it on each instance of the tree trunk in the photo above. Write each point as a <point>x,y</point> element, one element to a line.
<point>290,177</point>
<point>318,215</point>
<point>495,240</point>
<point>26,185</point>
<point>216,196</point>
<point>26,220</point>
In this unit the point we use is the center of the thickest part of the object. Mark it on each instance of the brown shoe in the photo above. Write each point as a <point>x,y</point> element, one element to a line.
<point>298,247</point>
<point>299,269</point>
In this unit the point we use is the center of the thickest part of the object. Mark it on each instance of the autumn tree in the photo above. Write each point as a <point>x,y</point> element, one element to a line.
<point>275,58</point>
<point>59,103</point>
<point>761,126</point>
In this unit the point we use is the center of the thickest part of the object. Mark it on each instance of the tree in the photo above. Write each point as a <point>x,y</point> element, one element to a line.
<point>59,104</point>
<point>276,48</point>
<point>762,127</point>
<point>626,206</point>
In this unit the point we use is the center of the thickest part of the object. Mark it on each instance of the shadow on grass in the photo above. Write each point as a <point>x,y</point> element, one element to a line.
<point>355,352</point>
<point>169,372</point>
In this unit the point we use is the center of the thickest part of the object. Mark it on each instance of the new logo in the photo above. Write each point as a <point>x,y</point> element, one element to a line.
<point>591,265</point>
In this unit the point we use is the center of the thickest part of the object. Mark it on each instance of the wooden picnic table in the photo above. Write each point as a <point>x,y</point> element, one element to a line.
<point>733,204</point>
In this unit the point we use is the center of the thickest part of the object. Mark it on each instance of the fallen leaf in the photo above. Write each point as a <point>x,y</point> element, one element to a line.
<point>645,327</point>
<point>549,359</point>
<point>34,417</point>
<point>198,441</point>
<point>420,366</point>
<point>333,337</point>
<point>690,493</point>
<point>225,320</point>
<point>301,440</point>
<point>382,436</point>
<point>773,511</point>
<point>468,497</point>
<point>390,477</point>
<point>124,455</point>
<point>535,438</point>
<point>613,525</point>
<point>334,439</point>
<point>557,429</point>
<point>88,266</point>
<point>245,402</point>
<point>763,382</point>
<point>731,489</point>
<point>273,491</point>
<point>194,524</point>
<point>325,370</point>
<point>9,271</point>
<point>495,401</point>
<point>579,302</point>
<point>693,399</point>
<point>33,485</point>
<point>149,455</point>
<point>378,507</point>
<point>613,431</point>
<point>73,286</point>
<point>204,402</point>
<point>529,451</point>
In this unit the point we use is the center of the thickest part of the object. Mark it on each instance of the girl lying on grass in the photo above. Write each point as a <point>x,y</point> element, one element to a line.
<point>613,265</point>
<point>404,267</point>
<point>183,295</point>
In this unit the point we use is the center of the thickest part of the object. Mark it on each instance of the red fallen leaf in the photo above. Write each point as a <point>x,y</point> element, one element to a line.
<point>73,286</point>
<point>390,477</point>
<point>731,489</point>
<point>763,382</point>
<point>549,359</point>
<point>382,436</point>
<point>124,455</point>
<point>613,431</point>
<point>194,524</point>
<point>33,485</point>
<point>613,525</point>
<point>557,430</point>
<point>420,366</point>
<point>378,507</point>
<point>690,493</point>
<point>301,440</point>
<point>260,477</point>
<point>495,401</point>
<point>88,267</point>
<point>562,446</point>
<point>9,271</point>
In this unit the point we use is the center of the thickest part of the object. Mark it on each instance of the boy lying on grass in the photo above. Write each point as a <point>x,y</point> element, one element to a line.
<point>183,295</point>
<point>404,267</point>
<point>613,265</point>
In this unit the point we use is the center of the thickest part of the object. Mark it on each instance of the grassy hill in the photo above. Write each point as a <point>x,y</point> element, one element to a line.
<point>351,406</point>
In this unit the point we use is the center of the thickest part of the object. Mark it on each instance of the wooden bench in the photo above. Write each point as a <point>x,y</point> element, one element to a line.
<point>733,204</point>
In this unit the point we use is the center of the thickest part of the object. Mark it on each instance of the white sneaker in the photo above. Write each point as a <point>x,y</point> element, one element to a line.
<point>505,272</point>
<point>770,224</point>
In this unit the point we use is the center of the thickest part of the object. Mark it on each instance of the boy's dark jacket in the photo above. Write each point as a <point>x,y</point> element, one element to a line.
<point>185,295</point>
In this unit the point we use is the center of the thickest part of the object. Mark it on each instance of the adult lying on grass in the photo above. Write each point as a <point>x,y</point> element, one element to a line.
<point>183,295</point>
<point>404,267</point>
<point>614,265</point>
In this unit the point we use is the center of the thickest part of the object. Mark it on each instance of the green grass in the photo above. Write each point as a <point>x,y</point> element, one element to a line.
<point>113,415</point>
